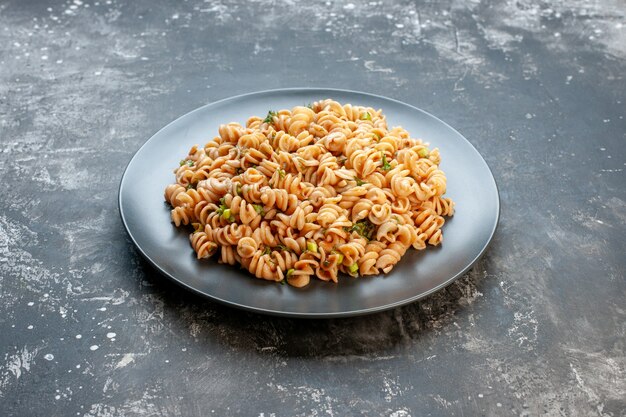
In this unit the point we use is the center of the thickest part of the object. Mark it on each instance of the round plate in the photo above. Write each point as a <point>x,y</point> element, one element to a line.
<point>466,235</point>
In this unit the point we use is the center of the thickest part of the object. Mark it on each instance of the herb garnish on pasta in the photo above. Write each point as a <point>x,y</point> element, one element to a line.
<point>311,192</point>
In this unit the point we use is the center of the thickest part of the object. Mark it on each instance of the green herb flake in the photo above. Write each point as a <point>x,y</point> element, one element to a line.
<point>339,257</point>
<point>191,186</point>
<point>353,268</point>
<point>270,117</point>
<point>386,165</point>
<point>359,181</point>
<point>364,227</point>
<point>226,214</point>
<point>290,273</point>
<point>238,189</point>
<point>366,116</point>
<point>259,209</point>
<point>267,250</point>
<point>281,173</point>
<point>188,162</point>
<point>311,246</point>
<point>283,248</point>
<point>310,106</point>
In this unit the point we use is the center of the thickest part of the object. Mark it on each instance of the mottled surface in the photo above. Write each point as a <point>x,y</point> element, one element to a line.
<point>538,326</point>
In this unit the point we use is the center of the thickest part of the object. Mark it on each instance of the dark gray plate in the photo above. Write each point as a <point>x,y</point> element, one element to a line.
<point>466,235</point>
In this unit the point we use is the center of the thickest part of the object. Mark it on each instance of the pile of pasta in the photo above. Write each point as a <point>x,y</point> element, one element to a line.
<point>312,191</point>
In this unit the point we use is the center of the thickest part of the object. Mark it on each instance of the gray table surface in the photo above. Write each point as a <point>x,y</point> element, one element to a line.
<point>537,327</point>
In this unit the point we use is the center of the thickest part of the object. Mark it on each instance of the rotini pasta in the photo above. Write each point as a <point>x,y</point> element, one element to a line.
<point>314,191</point>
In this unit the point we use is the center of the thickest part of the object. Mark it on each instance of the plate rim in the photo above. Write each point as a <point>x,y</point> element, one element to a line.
<point>311,315</point>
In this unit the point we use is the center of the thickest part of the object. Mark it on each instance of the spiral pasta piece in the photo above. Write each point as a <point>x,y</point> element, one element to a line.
<point>203,246</point>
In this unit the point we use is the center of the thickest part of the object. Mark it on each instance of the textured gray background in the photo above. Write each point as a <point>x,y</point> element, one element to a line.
<point>538,326</point>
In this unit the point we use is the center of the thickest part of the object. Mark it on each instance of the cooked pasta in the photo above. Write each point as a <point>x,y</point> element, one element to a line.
<point>311,192</point>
